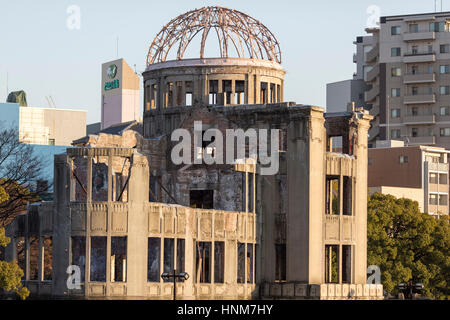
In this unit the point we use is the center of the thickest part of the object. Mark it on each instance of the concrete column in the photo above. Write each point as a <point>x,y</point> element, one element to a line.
<point>137,243</point>
<point>257,87</point>
<point>88,225</point>
<point>306,190</point>
<point>61,223</point>
<point>189,260</point>
<point>361,153</point>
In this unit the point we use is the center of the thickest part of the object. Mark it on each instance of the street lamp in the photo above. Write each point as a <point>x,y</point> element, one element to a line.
<point>183,276</point>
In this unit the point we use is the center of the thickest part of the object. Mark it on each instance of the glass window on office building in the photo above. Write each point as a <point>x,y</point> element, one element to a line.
<point>395,30</point>
<point>438,26</point>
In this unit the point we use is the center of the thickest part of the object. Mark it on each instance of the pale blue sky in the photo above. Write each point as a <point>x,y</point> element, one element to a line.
<point>43,57</point>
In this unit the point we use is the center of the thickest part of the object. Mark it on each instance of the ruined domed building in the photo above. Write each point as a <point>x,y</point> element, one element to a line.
<point>223,181</point>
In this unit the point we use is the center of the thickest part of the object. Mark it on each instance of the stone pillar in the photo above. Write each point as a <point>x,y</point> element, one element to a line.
<point>361,153</point>
<point>61,223</point>
<point>138,190</point>
<point>306,190</point>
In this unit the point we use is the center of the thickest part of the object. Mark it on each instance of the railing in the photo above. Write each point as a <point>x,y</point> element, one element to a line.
<point>420,119</point>
<point>421,35</point>
<point>419,99</point>
<point>419,78</point>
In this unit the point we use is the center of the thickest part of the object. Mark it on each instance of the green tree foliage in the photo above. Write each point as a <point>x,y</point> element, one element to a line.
<point>407,244</point>
<point>10,273</point>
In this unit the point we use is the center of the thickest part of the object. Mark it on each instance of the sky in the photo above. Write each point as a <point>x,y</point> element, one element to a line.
<point>44,53</point>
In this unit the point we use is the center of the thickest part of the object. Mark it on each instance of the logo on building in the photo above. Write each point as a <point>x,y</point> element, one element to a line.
<point>111,72</point>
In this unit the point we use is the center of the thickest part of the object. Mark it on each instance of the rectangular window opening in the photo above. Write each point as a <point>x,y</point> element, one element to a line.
<point>219,262</point>
<point>98,259</point>
<point>118,259</point>
<point>331,264</point>
<point>203,262</point>
<point>153,260</point>
<point>332,196</point>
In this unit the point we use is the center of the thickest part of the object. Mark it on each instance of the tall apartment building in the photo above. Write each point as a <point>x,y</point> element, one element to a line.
<point>407,68</point>
<point>420,173</point>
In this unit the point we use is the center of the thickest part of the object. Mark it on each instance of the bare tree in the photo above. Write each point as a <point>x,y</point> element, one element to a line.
<point>20,169</point>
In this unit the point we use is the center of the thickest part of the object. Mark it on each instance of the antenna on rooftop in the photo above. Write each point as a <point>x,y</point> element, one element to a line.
<point>54,104</point>
<point>117,48</point>
<point>7,89</point>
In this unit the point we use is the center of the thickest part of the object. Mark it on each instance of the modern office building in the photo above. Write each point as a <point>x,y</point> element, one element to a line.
<point>420,173</point>
<point>48,130</point>
<point>125,211</point>
<point>409,78</point>
<point>344,95</point>
<point>120,93</point>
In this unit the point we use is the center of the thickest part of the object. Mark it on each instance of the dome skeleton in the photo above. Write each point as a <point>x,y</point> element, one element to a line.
<point>232,28</point>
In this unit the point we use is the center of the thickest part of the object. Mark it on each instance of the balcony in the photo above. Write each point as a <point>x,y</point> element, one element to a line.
<point>426,140</point>
<point>441,167</point>
<point>372,93</point>
<point>419,36</point>
<point>422,119</point>
<point>373,74</point>
<point>372,55</point>
<point>419,57</point>
<point>419,78</point>
<point>420,99</point>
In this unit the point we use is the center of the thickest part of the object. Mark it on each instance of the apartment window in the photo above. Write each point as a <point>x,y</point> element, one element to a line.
<point>430,69</point>
<point>433,199</point>
<point>445,132</point>
<point>395,92</point>
<point>414,111</point>
<point>395,113</point>
<point>414,69</point>
<point>430,49</point>
<point>396,52</point>
<point>413,28</point>
<point>445,69</point>
<point>415,50</point>
<point>443,199</point>
<point>414,132</point>
<point>437,26</point>
<point>395,30</point>
<point>396,72</point>
<point>403,159</point>
<point>370,161</point>
<point>433,178</point>
<point>444,90</point>
<point>445,111</point>
<point>444,48</point>
<point>443,178</point>
<point>395,133</point>
<point>51,142</point>
<point>415,91</point>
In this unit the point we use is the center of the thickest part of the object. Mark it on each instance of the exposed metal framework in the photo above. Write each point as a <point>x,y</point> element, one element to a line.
<point>234,29</point>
